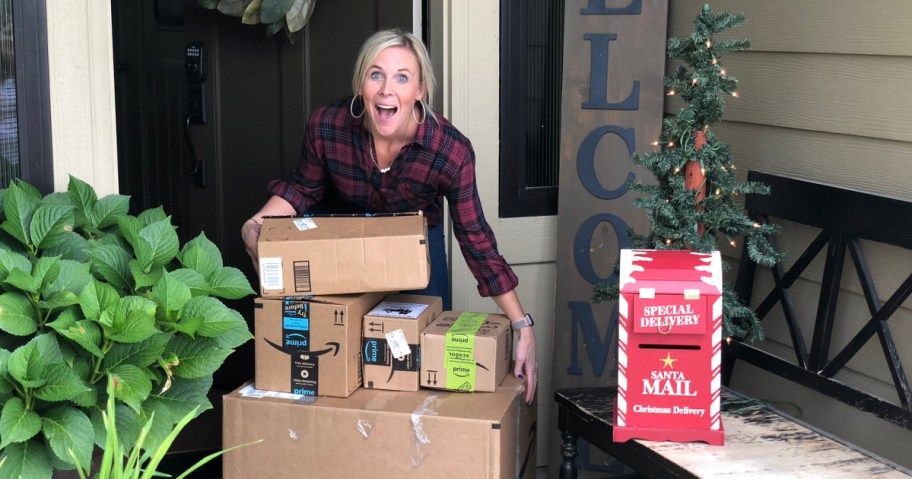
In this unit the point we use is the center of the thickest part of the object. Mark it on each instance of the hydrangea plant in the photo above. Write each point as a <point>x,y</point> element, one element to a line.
<point>88,291</point>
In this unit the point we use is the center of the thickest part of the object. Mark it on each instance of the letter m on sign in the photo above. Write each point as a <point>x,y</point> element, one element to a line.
<point>583,324</point>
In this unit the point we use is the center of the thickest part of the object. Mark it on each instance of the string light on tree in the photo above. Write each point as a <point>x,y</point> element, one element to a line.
<point>682,213</point>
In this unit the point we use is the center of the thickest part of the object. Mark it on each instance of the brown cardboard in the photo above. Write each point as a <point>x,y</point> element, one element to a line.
<point>310,345</point>
<point>444,364</point>
<point>399,318</point>
<point>375,433</point>
<point>342,255</point>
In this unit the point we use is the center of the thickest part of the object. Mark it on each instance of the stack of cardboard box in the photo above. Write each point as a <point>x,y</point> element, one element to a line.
<point>329,321</point>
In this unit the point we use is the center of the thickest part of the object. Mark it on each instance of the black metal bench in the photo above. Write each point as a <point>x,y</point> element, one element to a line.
<point>761,440</point>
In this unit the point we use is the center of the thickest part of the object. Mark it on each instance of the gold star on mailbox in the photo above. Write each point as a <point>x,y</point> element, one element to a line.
<point>669,362</point>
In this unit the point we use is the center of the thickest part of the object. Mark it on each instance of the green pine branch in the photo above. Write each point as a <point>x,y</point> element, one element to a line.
<point>673,211</point>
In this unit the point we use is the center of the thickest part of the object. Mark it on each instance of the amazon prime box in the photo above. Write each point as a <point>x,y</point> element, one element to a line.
<point>391,347</point>
<point>320,255</point>
<point>466,351</point>
<point>310,345</point>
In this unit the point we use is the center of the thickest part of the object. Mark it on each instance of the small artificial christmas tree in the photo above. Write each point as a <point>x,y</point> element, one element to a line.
<point>696,202</point>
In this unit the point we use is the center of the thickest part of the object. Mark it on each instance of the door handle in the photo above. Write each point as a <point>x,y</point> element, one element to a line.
<point>195,71</point>
<point>198,170</point>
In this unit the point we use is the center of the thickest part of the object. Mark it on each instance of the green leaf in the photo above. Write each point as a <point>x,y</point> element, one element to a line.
<point>5,385</point>
<point>50,225</point>
<point>19,204</point>
<point>217,318</point>
<point>234,337</point>
<point>17,424</point>
<point>29,362</point>
<point>27,460</point>
<point>210,4</point>
<point>142,354</point>
<point>202,255</point>
<point>17,315</point>
<point>83,197</point>
<point>108,209</point>
<point>234,8</point>
<point>171,294</point>
<point>58,198</point>
<point>299,14</point>
<point>85,333</point>
<point>112,264</point>
<point>251,14</point>
<point>159,245</point>
<point>21,280</point>
<point>72,247</point>
<point>10,261</point>
<point>128,426</point>
<point>276,27</point>
<point>185,395</point>
<point>58,299</point>
<point>69,429</point>
<point>152,215</point>
<point>274,10</point>
<point>143,279</point>
<point>96,297</point>
<point>130,226</point>
<point>62,384</point>
<point>133,320</point>
<point>87,399</point>
<point>132,385</point>
<point>46,271</point>
<point>162,424</point>
<point>230,283</point>
<point>72,278</point>
<point>193,279</point>
<point>198,357</point>
<point>188,325</point>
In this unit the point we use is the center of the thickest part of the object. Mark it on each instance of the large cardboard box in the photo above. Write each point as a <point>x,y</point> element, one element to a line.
<point>382,434</point>
<point>466,351</point>
<point>391,344</point>
<point>342,254</point>
<point>310,345</point>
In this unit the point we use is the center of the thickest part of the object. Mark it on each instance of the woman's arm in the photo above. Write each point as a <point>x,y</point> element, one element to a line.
<point>250,231</point>
<point>526,362</point>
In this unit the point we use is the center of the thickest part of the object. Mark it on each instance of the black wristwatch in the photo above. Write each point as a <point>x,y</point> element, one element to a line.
<point>525,322</point>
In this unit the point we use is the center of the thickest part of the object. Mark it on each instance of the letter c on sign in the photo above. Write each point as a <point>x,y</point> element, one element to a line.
<point>585,161</point>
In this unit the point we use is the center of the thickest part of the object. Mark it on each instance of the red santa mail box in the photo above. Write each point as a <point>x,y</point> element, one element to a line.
<point>669,343</point>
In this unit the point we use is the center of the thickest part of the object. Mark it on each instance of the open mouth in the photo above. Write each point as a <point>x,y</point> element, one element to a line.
<point>386,112</point>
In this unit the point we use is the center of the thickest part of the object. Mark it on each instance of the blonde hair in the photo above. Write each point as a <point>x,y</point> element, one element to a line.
<point>384,39</point>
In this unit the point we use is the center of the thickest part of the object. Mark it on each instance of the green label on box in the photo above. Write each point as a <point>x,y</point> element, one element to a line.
<point>459,350</point>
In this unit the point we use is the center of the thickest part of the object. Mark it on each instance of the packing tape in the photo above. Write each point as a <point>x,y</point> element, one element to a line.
<point>422,441</point>
<point>368,415</point>
<point>459,351</point>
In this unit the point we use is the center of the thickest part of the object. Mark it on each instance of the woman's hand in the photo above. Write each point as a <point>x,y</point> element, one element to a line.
<point>250,233</point>
<point>526,366</point>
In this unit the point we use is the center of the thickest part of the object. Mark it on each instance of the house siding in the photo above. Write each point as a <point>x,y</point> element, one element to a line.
<point>824,96</point>
<point>81,89</point>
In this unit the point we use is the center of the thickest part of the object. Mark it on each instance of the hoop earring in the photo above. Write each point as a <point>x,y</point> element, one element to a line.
<point>351,108</point>
<point>423,112</point>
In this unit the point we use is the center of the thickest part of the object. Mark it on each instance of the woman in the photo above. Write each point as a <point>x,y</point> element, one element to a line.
<point>385,151</point>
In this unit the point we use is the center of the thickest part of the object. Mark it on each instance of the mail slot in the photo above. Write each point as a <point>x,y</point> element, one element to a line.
<point>669,344</point>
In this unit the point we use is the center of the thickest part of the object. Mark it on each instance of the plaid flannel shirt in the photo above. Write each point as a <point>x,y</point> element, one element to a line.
<point>336,163</point>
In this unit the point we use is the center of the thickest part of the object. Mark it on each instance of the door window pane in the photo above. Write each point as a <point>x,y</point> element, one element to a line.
<point>9,122</point>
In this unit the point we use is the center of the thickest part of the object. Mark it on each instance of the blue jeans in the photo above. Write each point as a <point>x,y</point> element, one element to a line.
<point>439,284</point>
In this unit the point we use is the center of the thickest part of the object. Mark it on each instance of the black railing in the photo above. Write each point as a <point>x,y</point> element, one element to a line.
<point>844,217</point>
